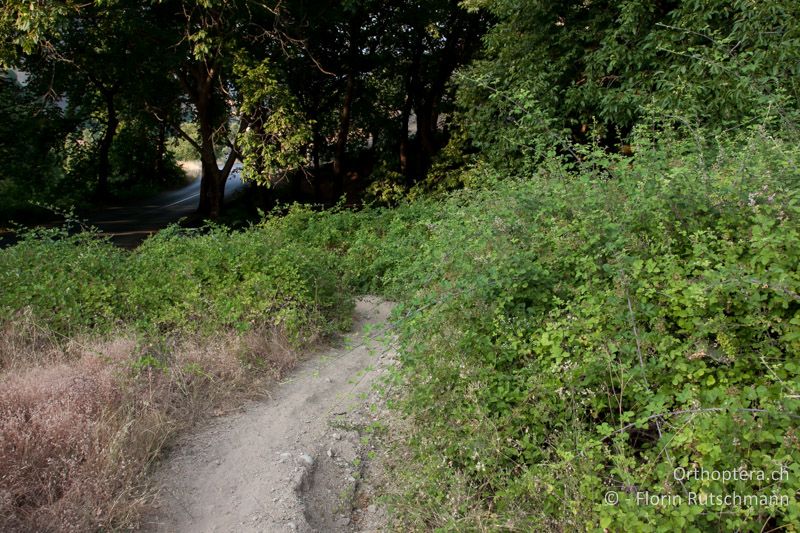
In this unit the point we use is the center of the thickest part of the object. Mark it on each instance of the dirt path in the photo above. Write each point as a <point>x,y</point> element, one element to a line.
<point>296,461</point>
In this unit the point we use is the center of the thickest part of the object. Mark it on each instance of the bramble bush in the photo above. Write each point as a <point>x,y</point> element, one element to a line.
<point>178,281</point>
<point>594,328</point>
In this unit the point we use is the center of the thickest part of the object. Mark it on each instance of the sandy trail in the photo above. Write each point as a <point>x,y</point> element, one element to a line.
<point>293,462</point>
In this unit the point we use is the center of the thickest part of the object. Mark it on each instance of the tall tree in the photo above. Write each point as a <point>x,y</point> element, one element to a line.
<point>210,38</point>
<point>574,69</point>
<point>437,37</point>
<point>370,68</point>
<point>31,129</point>
<point>88,58</point>
<point>100,61</point>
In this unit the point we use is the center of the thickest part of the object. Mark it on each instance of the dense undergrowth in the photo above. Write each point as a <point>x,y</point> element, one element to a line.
<point>581,335</point>
<point>575,342</point>
<point>582,331</point>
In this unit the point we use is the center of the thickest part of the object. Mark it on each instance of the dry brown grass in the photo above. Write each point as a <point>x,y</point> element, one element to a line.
<point>81,422</point>
<point>24,343</point>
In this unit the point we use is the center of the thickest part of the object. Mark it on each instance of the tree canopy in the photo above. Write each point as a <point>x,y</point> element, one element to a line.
<point>335,96</point>
<point>285,87</point>
<point>575,70</point>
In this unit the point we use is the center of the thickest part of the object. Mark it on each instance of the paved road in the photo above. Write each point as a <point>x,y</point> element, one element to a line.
<point>128,225</point>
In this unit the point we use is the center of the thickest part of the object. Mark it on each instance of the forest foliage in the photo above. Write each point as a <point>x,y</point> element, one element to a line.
<point>293,86</point>
<point>593,236</point>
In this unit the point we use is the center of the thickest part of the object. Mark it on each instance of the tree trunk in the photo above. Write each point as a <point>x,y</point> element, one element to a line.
<point>427,97</point>
<point>405,115</point>
<point>341,139</point>
<point>317,175</point>
<point>212,184</point>
<point>159,169</point>
<point>412,88</point>
<point>211,197</point>
<point>426,131</point>
<point>347,108</point>
<point>316,145</point>
<point>103,162</point>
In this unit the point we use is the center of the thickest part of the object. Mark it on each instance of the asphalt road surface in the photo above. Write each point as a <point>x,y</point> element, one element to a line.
<point>128,225</point>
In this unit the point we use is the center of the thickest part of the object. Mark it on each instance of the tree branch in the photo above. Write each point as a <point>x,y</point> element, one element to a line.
<point>185,135</point>
<point>174,126</point>
<point>235,152</point>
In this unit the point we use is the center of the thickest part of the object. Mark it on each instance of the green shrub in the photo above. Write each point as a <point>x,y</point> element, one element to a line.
<point>175,282</point>
<point>71,283</point>
<point>591,331</point>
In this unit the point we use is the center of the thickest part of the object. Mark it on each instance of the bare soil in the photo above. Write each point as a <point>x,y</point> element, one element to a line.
<point>302,460</point>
